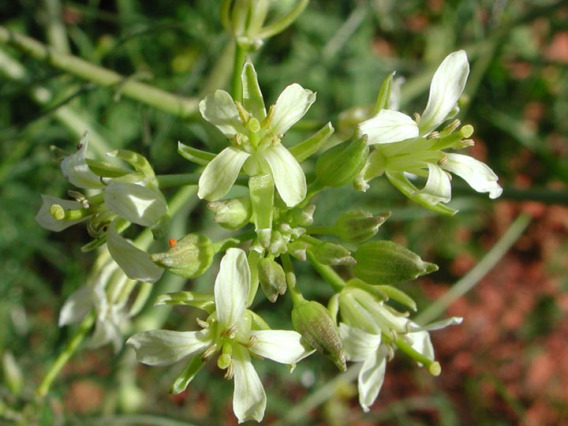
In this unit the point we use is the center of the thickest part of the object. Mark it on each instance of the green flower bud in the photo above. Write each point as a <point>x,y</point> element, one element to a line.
<point>340,164</point>
<point>189,257</point>
<point>272,279</point>
<point>385,262</point>
<point>333,254</point>
<point>302,217</point>
<point>314,322</point>
<point>232,214</point>
<point>356,226</point>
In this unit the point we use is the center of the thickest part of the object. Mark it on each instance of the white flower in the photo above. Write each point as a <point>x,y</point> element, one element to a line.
<point>401,144</point>
<point>229,330</point>
<point>110,310</point>
<point>255,138</point>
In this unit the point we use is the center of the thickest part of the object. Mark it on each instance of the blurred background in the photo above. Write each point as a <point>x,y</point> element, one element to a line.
<point>504,365</point>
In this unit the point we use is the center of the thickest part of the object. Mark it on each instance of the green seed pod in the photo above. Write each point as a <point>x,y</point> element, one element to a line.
<point>356,226</point>
<point>272,279</point>
<point>189,257</point>
<point>232,214</point>
<point>340,164</point>
<point>385,262</point>
<point>314,322</point>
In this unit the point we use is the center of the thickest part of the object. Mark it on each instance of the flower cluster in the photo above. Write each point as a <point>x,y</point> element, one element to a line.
<point>272,224</point>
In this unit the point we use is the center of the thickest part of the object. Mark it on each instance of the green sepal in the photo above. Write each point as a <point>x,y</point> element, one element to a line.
<point>252,96</point>
<point>373,290</point>
<point>272,279</point>
<point>328,253</point>
<point>340,164</point>
<point>190,371</point>
<point>195,155</point>
<point>385,262</point>
<point>136,160</point>
<point>310,146</point>
<point>205,302</point>
<point>384,94</point>
<point>399,180</point>
<point>257,323</point>
<point>399,296</point>
<point>105,169</point>
<point>356,226</point>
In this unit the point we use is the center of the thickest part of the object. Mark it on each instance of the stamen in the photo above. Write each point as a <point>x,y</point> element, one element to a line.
<point>251,342</point>
<point>209,352</point>
<point>201,323</point>
<point>172,242</point>
<point>229,374</point>
<point>230,332</point>
<point>443,161</point>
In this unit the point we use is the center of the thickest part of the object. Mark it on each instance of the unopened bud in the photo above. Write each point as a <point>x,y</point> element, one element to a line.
<point>272,279</point>
<point>303,217</point>
<point>232,214</point>
<point>189,257</point>
<point>385,262</point>
<point>356,226</point>
<point>333,254</point>
<point>340,164</point>
<point>314,322</point>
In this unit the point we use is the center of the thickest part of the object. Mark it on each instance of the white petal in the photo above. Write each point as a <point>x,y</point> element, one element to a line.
<point>438,188</point>
<point>282,346</point>
<point>135,203</point>
<point>371,378</point>
<point>437,325</point>
<point>249,399</point>
<point>135,263</point>
<point>477,174</point>
<point>421,343</point>
<point>76,170</point>
<point>288,175</point>
<point>290,107</point>
<point>106,331</point>
<point>47,221</point>
<point>221,173</point>
<point>77,306</point>
<point>388,126</point>
<point>219,109</point>
<point>358,344</point>
<point>446,88</point>
<point>232,287</point>
<point>164,347</point>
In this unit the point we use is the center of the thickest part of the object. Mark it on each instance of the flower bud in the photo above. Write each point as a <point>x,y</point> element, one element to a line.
<point>356,226</point>
<point>302,217</point>
<point>340,164</point>
<point>272,278</point>
<point>333,254</point>
<point>385,262</point>
<point>232,214</point>
<point>189,257</point>
<point>314,322</point>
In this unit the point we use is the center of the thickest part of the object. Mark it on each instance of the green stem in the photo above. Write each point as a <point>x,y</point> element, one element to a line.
<point>432,366</point>
<point>236,82</point>
<point>64,356</point>
<point>180,106</point>
<point>327,273</point>
<point>469,281</point>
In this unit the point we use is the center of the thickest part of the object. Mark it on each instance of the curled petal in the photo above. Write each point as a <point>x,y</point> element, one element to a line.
<point>77,306</point>
<point>438,188</point>
<point>219,109</point>
<point>421,343</point>
<point>288,175</point>
<point>372,377</point>
<point>135,203</point>
<point>290,107</point>
<point>165,347</point>
<point>77,171</point>
<point>358,344</point>
<point>477,174</point>
<point>232,287</point>
<point>221,173</point>
<point>47,221</point>
<point>135,263</point>
<point>249,398</point>
<point>388,126</point>
<point>446,88</point>
<point>282,346</point>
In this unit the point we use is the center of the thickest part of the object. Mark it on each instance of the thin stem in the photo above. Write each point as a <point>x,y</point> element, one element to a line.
<point>64,356</point>
<point>180,106</point>
<point>469,281</point>
<point>327,273</point>
<point>236,82</point>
